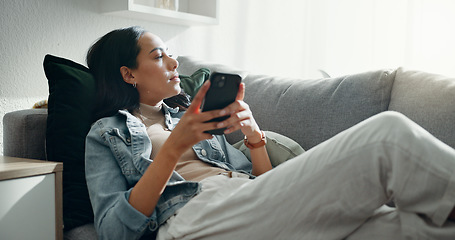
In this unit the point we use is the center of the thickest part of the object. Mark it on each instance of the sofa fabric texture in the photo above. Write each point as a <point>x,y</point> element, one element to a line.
<point>279,147</point>
<point>308,111</point>
<point>428,99</point>
<point>23,133</point>
<point>325,106</point>
<point>316,109</point>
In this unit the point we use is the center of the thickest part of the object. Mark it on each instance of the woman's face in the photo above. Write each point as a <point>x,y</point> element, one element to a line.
<point>156,74</point>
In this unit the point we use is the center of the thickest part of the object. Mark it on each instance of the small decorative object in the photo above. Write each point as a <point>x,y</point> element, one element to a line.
<point>167,4</point>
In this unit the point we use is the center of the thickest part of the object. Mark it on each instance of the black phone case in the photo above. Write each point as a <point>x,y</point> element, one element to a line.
<point>222,92</point>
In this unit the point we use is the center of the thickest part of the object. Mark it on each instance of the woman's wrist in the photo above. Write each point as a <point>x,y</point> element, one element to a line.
<point>256,141</point>
<point>171,151</point>
<point>255,137</point>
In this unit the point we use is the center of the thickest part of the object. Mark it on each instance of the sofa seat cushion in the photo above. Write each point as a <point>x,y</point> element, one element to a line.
<point>84,232</point>
<point>428,99</point>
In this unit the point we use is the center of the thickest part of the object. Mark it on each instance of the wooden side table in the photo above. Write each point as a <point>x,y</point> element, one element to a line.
<point>30,199</point>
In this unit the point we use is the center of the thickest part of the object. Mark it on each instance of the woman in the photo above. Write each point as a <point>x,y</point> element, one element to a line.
<point>152,170</point>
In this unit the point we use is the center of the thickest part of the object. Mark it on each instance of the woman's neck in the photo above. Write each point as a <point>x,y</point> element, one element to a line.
<point>150,114</point>
<point>158,104</point>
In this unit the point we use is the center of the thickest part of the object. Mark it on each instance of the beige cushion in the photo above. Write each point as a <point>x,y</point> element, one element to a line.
<point>428,99</point>
<point>280,148</point>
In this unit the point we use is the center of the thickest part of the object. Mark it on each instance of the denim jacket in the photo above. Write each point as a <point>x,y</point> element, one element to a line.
<point>118,153</point>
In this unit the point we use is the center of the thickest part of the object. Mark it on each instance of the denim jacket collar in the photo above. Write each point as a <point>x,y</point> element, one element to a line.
<point>141,145</point>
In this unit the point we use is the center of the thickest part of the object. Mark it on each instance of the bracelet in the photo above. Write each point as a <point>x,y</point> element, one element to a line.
<point>255,145</point>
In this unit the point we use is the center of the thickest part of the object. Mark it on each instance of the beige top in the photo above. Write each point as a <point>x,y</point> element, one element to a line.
<point>189,166</point>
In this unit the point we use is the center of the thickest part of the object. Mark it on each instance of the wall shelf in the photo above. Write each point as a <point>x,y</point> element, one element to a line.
<point>190,13</point>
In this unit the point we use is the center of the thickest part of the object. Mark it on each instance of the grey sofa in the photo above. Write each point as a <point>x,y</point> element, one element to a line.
<point>308,111</point>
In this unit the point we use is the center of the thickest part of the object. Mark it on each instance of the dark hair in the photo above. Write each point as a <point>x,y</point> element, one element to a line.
<point>104,58</point>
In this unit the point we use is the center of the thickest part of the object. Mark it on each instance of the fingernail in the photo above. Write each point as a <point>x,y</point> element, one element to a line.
<point>220,125</point>
<point>223,112</point>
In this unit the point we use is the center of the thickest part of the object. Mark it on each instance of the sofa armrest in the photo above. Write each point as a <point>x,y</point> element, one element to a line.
<point>24,133</point>
<point>427,99</point>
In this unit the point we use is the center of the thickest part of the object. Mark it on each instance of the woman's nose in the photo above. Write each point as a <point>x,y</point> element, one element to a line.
<point>174,63</point>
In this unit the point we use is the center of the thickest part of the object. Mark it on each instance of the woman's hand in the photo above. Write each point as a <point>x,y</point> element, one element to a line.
<point>190,129</point>
<point>241,118</point>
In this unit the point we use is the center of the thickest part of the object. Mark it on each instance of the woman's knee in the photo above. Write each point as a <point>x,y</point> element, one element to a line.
<point>395,123</point>
<point>393,118</point>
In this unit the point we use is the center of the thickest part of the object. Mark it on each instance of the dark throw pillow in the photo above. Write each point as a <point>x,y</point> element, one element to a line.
<point>71,98</point>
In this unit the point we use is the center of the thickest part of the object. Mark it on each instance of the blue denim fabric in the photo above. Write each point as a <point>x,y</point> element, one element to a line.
<point>118,153</point>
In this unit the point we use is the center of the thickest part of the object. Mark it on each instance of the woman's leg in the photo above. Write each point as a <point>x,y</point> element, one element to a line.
<point>332,189</point>
<point>384,224</point>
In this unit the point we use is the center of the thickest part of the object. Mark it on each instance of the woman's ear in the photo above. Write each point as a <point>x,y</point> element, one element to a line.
<point>127,75</point>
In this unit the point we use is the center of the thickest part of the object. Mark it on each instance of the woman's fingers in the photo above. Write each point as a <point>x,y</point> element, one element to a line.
<point>241,92</point>
<point>199,98</point>
<point>241,116</point>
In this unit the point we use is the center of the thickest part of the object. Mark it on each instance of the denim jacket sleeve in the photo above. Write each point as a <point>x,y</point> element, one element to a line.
<point>109,191</point>
<point>117,155</point>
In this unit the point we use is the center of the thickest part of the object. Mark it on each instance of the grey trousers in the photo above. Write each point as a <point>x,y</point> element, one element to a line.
<point>336,190</point>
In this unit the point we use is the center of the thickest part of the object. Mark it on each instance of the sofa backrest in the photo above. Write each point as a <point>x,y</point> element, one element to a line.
<point>312,111</point>
<point>309,111</point>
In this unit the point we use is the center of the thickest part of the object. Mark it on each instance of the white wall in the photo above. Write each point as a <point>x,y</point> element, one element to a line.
<point>297,37</point>
<point>32,28</point>
<point>288,37</point>
<point>363,35</point>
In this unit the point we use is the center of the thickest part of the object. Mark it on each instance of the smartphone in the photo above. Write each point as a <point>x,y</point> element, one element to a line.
<point>222,92</point>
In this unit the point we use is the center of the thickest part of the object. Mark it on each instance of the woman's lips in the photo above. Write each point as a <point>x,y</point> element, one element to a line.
<point>175,78</point>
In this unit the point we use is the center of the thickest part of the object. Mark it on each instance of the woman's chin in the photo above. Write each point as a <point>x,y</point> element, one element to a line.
<point>178,89</point>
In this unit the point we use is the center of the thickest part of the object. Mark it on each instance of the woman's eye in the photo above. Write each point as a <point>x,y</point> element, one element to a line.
<point>160,56</point>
